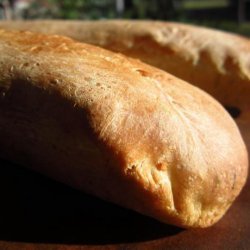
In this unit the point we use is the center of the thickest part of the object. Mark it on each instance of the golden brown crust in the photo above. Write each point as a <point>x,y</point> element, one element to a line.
<point>215,61</point>
<point>119,129</point>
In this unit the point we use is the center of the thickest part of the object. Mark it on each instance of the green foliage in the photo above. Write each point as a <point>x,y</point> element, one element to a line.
<point>203,4</point>
<point>84,9</point>
<point>96,9</point>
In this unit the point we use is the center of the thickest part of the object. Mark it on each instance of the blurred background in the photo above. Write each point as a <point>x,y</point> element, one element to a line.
<point>230,15</point>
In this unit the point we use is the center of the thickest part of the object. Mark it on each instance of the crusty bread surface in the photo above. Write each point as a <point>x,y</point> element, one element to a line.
<point>215,61</point>
<point>118,129</point>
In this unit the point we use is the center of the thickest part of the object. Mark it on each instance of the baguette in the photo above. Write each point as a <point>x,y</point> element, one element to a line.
<point>119,129</point>
<point>215,61</point>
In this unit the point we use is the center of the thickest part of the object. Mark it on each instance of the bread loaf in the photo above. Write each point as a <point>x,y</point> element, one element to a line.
<point>118,129</point>
<point>215,61</point>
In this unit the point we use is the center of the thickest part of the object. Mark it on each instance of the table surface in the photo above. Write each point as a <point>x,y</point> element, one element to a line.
<point>37,213</point>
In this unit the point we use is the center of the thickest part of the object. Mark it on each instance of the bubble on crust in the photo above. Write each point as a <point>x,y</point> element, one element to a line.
<point>12,68</point>
<point>142,72</point>
<point>178,166</point>
<point>34,48</point>
<point>108,58</point>
<point>54,81</point>
<point>191,179</point>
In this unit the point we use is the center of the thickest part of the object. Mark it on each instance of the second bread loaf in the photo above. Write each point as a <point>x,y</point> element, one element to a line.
<point>215,61</point>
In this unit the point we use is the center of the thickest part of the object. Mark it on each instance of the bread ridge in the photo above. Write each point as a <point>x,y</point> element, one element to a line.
<point>216,61</point>
<point>119,129</point>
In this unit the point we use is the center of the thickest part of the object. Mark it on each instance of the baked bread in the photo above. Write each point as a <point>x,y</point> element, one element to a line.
<point>118,129</point>
<point>215,61</point>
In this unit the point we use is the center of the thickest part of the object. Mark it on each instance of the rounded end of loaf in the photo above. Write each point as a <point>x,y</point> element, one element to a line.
<point>181,153</point>
<point>193,173</point>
